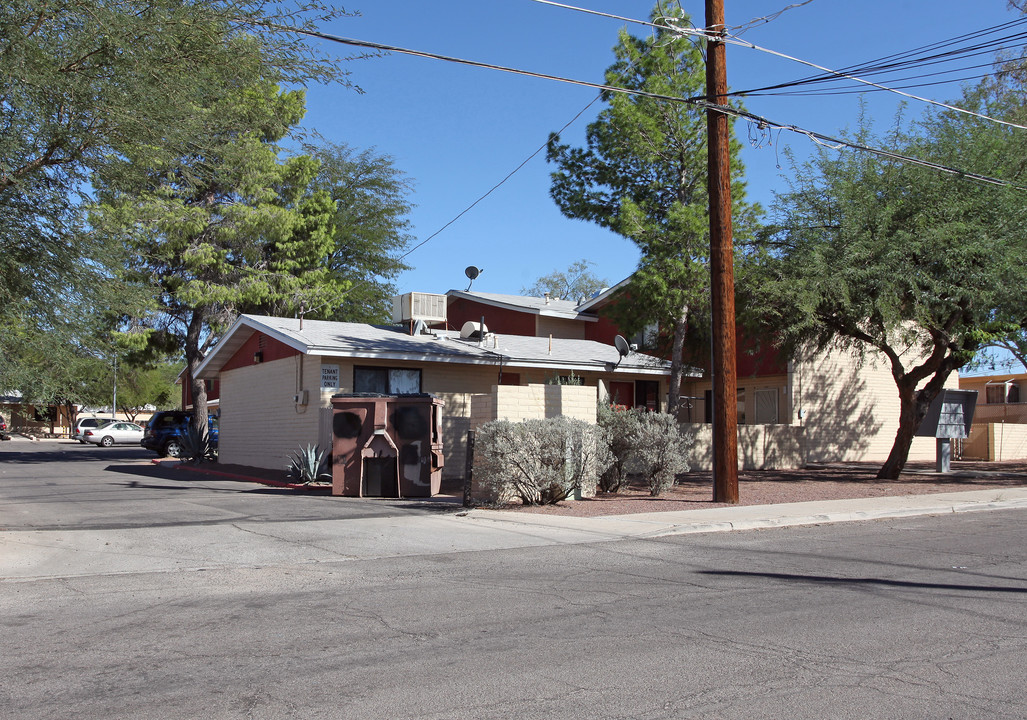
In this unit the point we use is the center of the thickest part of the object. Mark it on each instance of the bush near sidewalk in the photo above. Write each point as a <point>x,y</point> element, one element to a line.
<point>539,461</point>
<point>643,443</point>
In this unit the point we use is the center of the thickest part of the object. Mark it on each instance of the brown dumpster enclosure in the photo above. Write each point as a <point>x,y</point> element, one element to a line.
<point>386,445</point>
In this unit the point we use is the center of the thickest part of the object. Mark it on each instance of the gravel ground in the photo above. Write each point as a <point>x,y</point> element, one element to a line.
<point>694,491</point>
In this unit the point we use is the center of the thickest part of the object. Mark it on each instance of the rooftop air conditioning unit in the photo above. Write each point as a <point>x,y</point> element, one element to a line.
<point>414,306</point>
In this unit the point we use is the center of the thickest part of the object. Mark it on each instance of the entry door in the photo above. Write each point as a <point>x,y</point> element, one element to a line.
<point>622,393</point>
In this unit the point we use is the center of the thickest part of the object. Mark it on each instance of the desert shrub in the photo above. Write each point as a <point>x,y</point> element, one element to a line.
<point>541,462</point>
<point>660,450</point>
<point>197,446</point>
<point>309,465</point>
<point>619,426</point>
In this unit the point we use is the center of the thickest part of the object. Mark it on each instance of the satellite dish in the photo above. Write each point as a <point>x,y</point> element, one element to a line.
<point>472,274</point>
<point>622,347</point>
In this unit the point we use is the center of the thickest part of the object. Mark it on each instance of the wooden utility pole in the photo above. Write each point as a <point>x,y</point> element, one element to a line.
<point>722,270</point>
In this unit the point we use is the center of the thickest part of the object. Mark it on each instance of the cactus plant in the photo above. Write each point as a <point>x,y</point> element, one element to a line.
<point>309,465</point>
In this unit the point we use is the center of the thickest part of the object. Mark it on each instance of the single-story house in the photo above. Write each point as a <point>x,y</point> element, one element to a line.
<point>277,377</point>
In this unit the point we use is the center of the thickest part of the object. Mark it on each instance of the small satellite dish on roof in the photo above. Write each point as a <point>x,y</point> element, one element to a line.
<point>622,347</point>
<point>472,274</point>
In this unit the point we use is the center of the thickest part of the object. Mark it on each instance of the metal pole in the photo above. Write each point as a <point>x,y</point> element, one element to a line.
<point>469,469</point>
<point>722,280</point>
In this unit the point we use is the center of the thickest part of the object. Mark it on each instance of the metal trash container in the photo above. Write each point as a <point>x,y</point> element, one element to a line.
<point>386,445</point>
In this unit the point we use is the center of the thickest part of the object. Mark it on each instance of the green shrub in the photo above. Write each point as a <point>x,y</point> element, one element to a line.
<point>310,465</point>
<point>541,462</point>
<point>641,443</point>
<point>660,450</point>
<point>619,427</point>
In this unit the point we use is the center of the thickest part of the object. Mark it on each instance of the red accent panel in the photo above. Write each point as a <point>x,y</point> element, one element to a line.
<point>213,392</point>
<point>270,349</point>
<point>497,320</point>
<point>767,362</point>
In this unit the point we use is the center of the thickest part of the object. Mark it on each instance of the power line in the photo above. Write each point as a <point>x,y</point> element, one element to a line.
<point>737,41</point>
<point>767,18</point>
<point>698,101</point>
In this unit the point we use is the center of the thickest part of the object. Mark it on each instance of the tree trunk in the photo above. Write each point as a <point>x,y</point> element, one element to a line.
<point>677,367</point>
<point>193,358</point>
<point>913,407</point>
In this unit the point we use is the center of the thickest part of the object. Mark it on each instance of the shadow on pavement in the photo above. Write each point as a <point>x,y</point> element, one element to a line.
<point>856,582</point>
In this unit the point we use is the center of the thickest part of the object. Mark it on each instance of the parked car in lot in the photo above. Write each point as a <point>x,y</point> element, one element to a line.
<point>164,433</point>
<point>86,424</point>
<point>112,432</point>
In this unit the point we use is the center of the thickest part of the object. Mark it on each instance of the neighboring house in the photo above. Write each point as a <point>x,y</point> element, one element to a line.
<point>51,419</point>
<point>1000,398</point>
<point>277,377</point>
<point>999,429</point>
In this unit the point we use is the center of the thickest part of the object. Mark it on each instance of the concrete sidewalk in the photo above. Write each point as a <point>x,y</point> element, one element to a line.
<point>750,517</point>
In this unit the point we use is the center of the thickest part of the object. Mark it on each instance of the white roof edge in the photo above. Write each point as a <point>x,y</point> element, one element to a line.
<point>604,295</point>
<point>549,312</point>
<point>250,322</point>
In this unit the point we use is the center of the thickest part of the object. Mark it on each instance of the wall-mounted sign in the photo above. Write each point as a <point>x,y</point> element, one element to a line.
<point>330,377</point>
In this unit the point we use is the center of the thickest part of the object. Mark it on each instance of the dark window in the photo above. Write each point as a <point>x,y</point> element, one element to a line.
<point>1014,394</point>
<point>996,394</point>
<point>390,381</point>
<point>647,394</point>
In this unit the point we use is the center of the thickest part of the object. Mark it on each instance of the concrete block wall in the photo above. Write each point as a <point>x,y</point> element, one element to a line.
<point>996,441</point>
<point>523,402</point>
<point>760,447</point>
<point>851,408</point>
<point>261,425</point>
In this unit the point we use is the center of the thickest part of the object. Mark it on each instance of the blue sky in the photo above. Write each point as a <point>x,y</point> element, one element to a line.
<point>456,131</point>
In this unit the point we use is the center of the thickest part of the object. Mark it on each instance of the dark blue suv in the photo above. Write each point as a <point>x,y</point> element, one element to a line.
<point>164,433</point>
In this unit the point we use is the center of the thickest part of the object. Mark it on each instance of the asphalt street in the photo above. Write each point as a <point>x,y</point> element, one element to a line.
<point>320,607</point>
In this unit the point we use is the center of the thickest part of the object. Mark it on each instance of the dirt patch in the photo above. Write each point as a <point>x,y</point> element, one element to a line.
<point>694,491</point>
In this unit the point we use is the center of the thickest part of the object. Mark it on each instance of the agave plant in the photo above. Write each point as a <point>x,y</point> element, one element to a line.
<point>197,446</point>
<point>310,465</point>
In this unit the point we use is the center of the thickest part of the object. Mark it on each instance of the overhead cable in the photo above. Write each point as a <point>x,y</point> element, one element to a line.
<point>724,37</point>
<point>699,101</point>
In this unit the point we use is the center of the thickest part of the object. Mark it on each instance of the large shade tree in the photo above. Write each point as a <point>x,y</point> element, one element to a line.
<point>228,229</point>
<point>86,86</point>
<point>643,175</point>
<point>921,267</point>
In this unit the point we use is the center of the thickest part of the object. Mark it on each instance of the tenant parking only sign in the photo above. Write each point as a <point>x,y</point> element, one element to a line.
<point>330,377</point>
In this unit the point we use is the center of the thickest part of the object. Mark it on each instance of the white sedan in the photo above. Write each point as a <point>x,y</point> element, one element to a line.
<point>114,432</point>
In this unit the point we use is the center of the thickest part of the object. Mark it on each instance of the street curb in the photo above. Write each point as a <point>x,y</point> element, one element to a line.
<point>713,520</point>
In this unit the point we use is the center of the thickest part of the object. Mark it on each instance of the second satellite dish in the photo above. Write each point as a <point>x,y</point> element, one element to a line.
<point>472,273</point>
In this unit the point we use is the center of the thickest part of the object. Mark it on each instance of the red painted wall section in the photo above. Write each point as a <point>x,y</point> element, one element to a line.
<point>767,362</point>
<point>269,348</point>
<point>497,320</point>
<point>213,391</point>
<point>605,330</point>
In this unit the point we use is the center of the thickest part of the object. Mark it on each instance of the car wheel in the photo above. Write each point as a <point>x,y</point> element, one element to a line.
<point>106,441</point>
<point>173,448</point>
